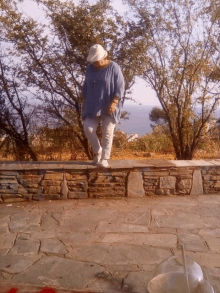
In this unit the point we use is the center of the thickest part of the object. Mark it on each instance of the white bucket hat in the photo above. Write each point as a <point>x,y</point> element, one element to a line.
<point>96,53</point>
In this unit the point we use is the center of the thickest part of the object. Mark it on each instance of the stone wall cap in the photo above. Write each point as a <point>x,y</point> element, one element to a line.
<point>12,166</point>
<point>182,163</point>
<point>64,165</point>
<point>140,163</point>
<point>120,164</point>
<point>160,163</point>
<point>76,165</point>
<point>215,162</point>
<point>201,163</point>
<point>192,163</point>
<point>113,164</point>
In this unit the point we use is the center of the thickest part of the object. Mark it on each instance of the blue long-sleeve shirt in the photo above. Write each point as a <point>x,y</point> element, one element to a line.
<point>100,88</point>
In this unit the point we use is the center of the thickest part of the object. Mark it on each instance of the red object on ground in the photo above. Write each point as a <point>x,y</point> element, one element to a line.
<point>22,288</point>
<point>13,290</point>
<point>45,290</point>
<point>48,290</point>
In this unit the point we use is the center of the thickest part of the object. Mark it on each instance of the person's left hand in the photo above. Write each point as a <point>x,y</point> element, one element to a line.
<point>113,106</point>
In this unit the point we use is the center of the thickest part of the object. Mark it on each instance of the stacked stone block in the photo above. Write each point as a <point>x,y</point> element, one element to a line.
<point>168,181</point>
<point>107,184</point>
<point>151,182</point>
<point>211,179</point>
<point>59,185</point>
<point>167,185</point>
<point>184,177</point>
<point>30,181</point>
<point>38,185</point>
<point>10,189</point>
<point>51,185</point>
<point>135,186</point>
<point>77,184</point>
<point>22,185</point>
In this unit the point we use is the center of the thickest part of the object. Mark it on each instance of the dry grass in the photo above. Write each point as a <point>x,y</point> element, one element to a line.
<point>152,146</point>
<point>119,155</point>
<point>135,155</point>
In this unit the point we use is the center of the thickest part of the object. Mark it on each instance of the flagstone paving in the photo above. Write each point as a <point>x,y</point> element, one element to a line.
<point>106,245</point>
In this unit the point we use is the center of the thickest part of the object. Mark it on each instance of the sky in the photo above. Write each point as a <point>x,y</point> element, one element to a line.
<point>142,94</point>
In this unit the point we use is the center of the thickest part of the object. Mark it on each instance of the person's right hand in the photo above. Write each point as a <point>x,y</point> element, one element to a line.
<point>113,106</point>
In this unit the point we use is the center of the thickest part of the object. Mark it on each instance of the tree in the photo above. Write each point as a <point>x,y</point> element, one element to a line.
<point>158,116</point>
<point>214,11</point>
<point>54,55</point>
<point>181,58</point>
<point>15,112</point>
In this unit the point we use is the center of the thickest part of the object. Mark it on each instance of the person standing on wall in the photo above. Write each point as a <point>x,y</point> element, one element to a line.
<point>103,93</point>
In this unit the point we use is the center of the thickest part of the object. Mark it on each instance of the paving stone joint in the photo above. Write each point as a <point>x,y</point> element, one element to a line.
<point>102,245</point>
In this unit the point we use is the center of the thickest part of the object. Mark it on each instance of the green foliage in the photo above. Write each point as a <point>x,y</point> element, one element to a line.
<point>15,114</point>
<point>181,56</point>
<point>158,116</point>
<point>53,57</point>
<point>55,139</point>
<point>156,142</point>
<point>119,140</point>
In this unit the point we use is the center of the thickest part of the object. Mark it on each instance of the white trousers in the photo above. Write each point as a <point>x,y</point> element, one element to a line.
<point>108,126</point>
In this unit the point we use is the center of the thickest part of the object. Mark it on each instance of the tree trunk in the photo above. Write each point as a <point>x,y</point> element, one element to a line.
<point>182,152</point>
<point>186,154</point>
<point>24,152</point>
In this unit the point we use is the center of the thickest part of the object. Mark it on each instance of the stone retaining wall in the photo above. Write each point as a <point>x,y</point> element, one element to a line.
<point>50,181</point>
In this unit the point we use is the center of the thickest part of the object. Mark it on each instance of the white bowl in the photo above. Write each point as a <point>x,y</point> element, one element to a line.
<point>169,276</point>
<point>175,264</point>
<point>205,287</point>
<point>173,282</point>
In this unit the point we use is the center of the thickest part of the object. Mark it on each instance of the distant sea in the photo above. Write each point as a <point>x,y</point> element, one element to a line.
<point>139,121</point>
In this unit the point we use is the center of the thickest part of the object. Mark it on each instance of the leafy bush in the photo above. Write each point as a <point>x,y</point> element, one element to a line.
<point>152,143</point>
<point>158,142</point>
